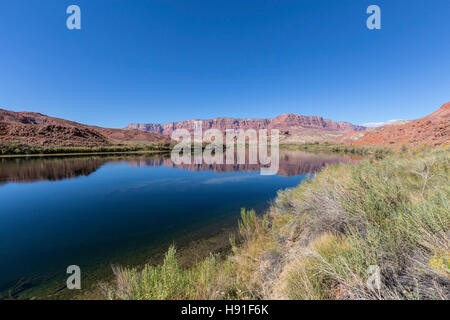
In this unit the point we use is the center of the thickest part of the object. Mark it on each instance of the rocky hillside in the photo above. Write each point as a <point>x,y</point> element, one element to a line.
<point>432,130</point>
<point>51,135</point>
<point>290,124</point>
<point>41,130</point>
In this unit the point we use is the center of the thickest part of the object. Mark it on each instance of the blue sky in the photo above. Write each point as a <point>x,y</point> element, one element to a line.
<point>167,60</point>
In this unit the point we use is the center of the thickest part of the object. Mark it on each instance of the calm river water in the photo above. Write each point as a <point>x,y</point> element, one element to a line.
<point>94,211</point>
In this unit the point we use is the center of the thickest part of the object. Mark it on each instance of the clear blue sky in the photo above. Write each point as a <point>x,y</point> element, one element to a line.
<point>169,60</point>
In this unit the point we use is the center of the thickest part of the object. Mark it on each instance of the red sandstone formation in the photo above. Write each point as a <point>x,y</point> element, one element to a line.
<point>289,123</point>
<point>432,130</point>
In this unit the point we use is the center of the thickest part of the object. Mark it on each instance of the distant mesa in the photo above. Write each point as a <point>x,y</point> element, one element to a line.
<point>287,122</point>
<point>294,128</point>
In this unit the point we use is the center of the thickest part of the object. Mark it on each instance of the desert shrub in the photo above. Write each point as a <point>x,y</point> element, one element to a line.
<point>394,214</point>
<point>205,280</point>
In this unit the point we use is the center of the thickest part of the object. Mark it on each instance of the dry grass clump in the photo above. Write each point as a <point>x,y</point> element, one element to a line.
<point>321,239</point>
<point>256,258</point>
<point>312,273</point>
<point>393,214</point>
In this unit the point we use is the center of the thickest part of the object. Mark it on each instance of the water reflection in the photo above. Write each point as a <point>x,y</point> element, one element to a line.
<point>292,163</point>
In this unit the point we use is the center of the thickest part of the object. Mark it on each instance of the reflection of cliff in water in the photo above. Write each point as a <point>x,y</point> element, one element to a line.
<point>49,169</point>
<point>292,163</point>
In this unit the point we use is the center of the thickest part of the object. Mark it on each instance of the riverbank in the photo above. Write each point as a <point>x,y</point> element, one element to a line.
<point>15,150</point>
<point>377,152</point>
<point>325,238</point>
<point>20,149</point>
<point>23,150</point>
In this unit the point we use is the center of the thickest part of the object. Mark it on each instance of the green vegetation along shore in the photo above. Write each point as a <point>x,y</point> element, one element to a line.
<point>19,149</point>
<point>319,240</point>
<point>377,152</point>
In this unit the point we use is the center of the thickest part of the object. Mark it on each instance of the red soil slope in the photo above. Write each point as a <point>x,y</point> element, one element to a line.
<point>41,130</point>
<point>432,130</point>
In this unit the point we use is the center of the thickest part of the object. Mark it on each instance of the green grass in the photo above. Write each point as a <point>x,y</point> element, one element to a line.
<point>318,240</point>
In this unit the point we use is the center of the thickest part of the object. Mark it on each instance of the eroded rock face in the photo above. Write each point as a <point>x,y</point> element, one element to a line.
<point>290,123</point>
<point>433,130</point>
